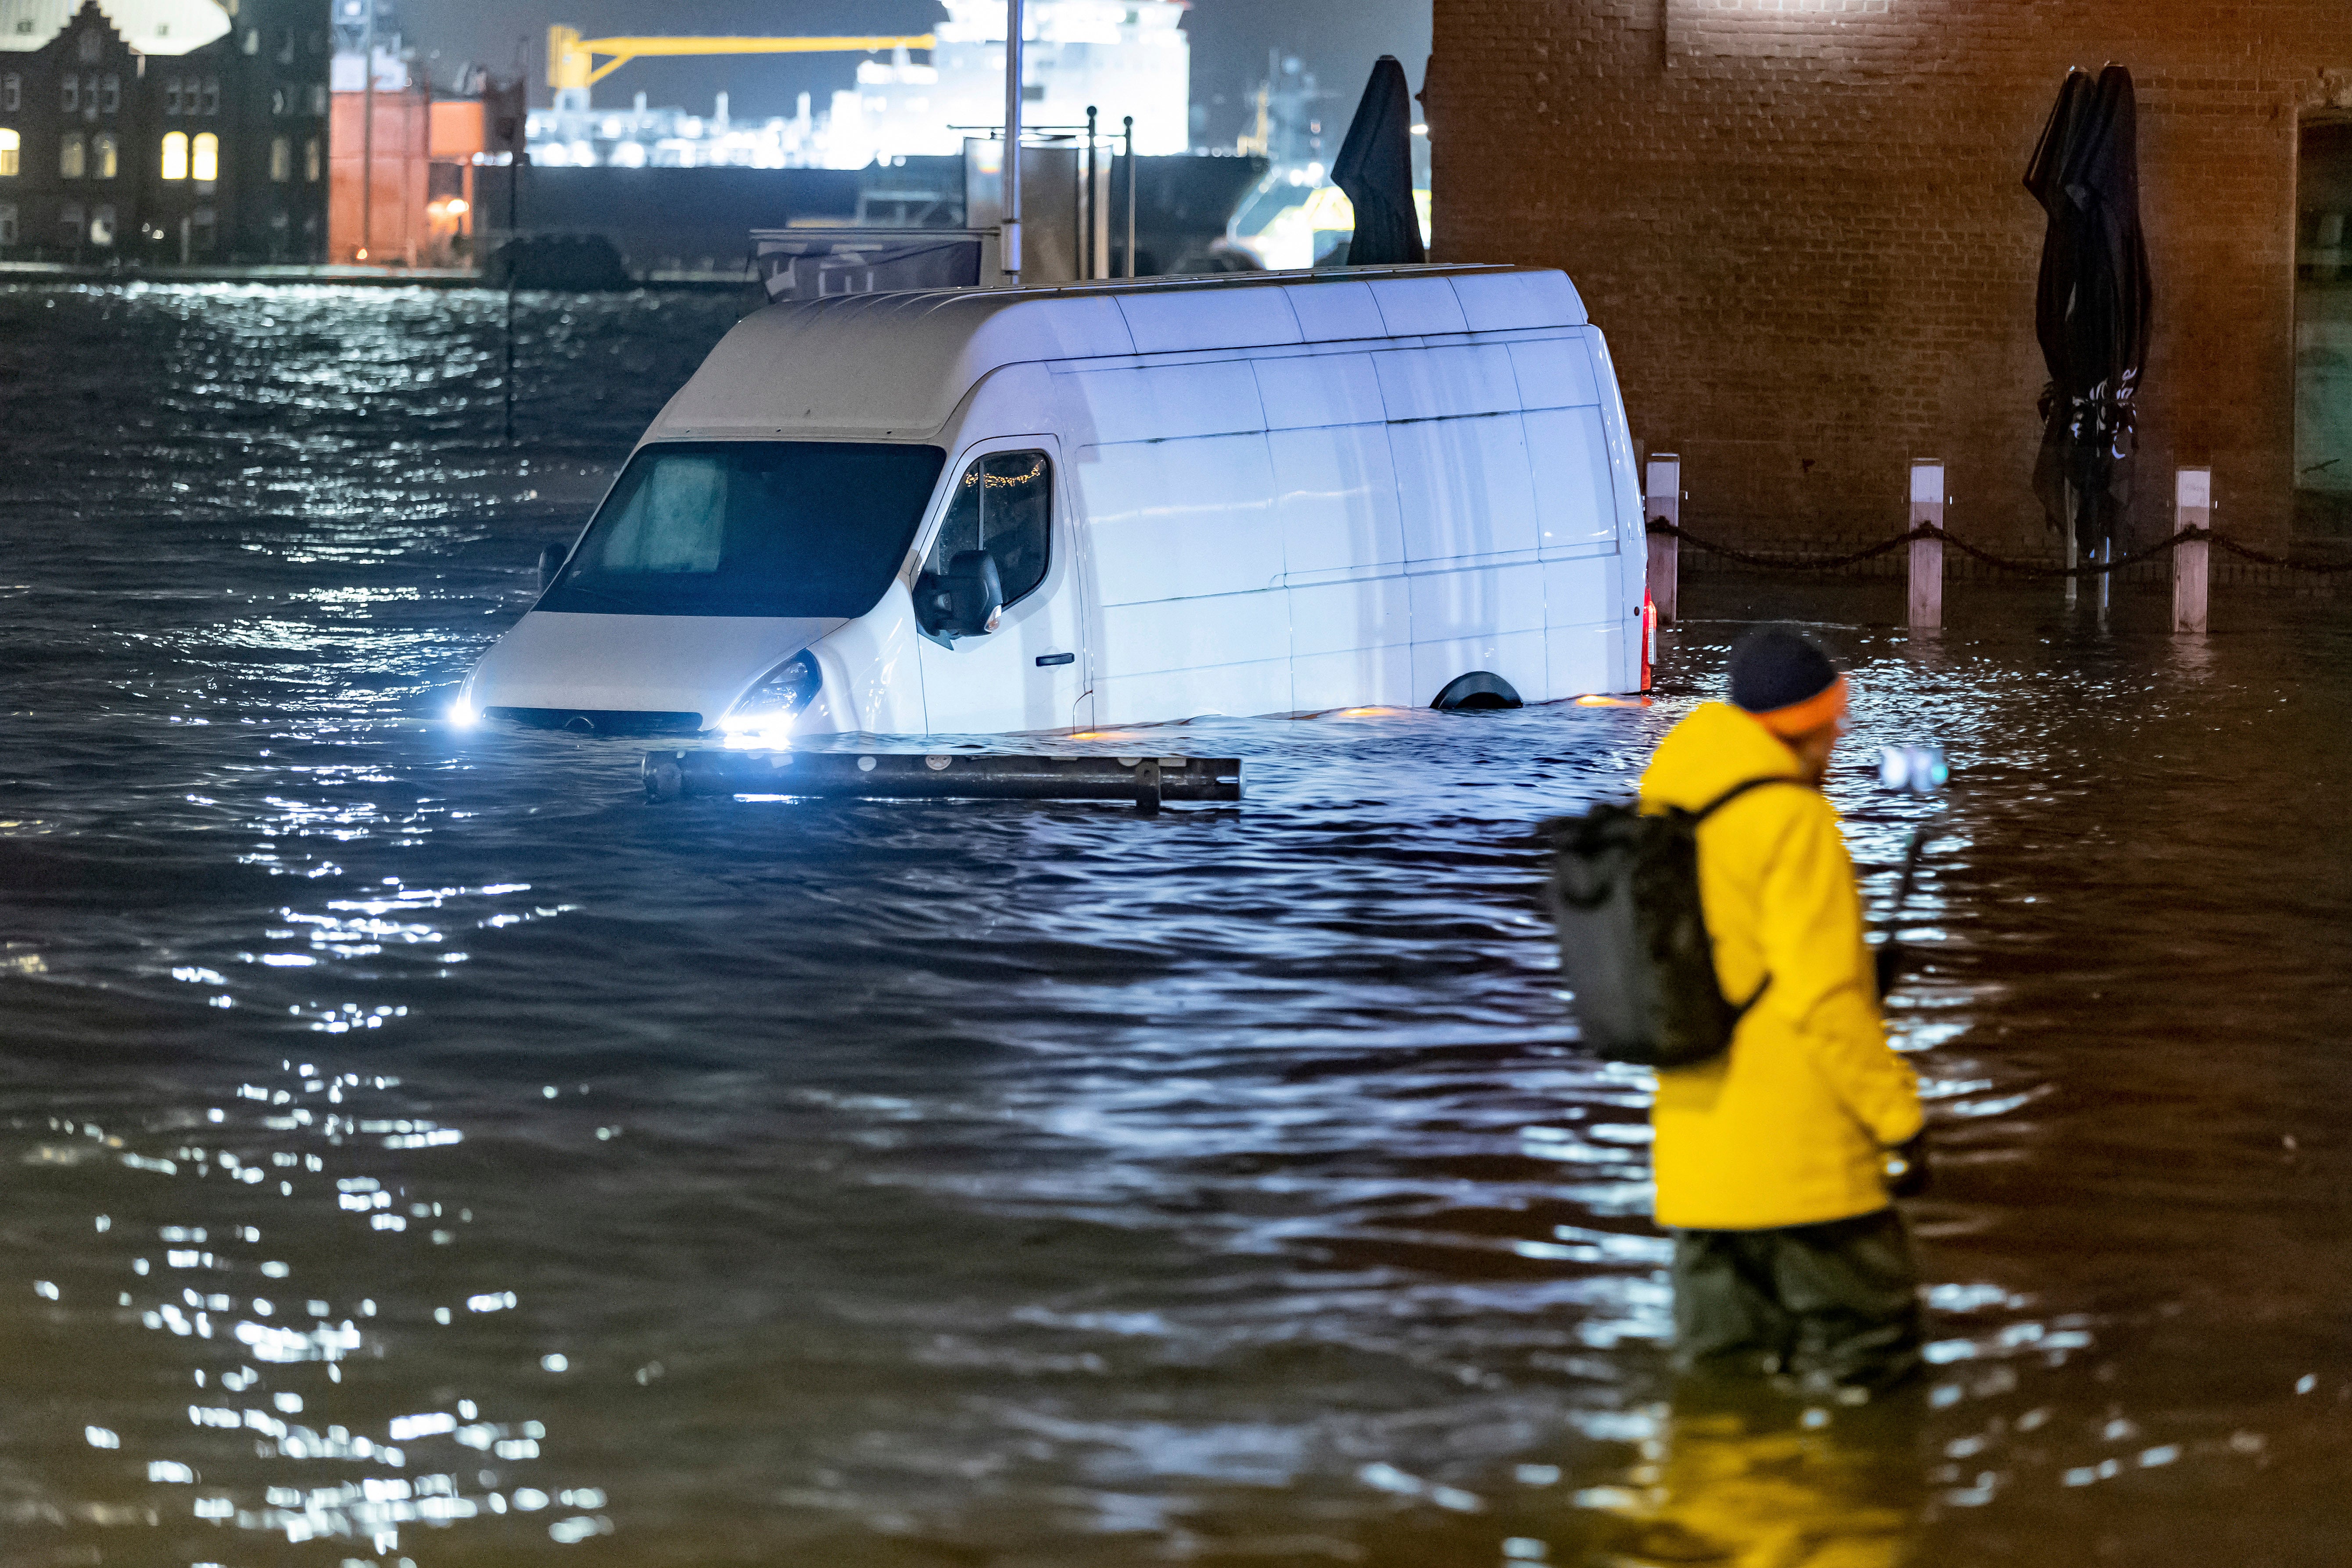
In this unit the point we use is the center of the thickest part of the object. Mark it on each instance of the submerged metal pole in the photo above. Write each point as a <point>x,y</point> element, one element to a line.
<point>1010,260</point>
<point>1130,121</point>
<point>367,138</point>
<point>904,775</point>
<point>514,259</point>
<point>1087,207</point>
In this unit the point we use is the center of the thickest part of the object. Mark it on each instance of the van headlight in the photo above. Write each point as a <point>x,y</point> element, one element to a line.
<point>775,701</point>
<point>462,713</point>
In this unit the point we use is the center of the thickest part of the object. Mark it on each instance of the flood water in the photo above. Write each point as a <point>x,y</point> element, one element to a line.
<point>419,1150</point>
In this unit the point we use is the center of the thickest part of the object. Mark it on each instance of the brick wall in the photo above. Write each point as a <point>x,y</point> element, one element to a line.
<point>1804,226</point>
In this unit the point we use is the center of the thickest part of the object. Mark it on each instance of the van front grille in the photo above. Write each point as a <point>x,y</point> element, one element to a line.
<point>600,721</point>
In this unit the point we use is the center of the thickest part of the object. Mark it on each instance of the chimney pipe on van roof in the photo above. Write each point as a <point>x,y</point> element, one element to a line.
<point>1012,160</point>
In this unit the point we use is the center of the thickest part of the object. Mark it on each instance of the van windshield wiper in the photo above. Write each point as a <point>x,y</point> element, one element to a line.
<point>605,594</point>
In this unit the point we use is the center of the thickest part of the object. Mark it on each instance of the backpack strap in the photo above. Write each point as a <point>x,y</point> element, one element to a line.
<point>1735,791</point>
<point>1709,809</point>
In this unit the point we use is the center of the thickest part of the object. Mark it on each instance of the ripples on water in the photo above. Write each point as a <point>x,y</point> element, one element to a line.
<point>422,1150</point>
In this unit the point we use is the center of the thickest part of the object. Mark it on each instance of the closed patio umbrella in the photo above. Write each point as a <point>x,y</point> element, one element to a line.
<point>2091,307</point>
<point>1375,168</point>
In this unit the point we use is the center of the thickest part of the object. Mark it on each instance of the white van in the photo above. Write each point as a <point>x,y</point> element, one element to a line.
<point>966,509</point>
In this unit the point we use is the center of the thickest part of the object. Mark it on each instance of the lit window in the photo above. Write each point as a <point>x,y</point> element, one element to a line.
<point>206,164</point>
<point>105,155</point>
<point>310,160</point>
<point>101,226</point>
<point>175,155</point>
<point>73,156</point>
<point>12,147</point>
<point>281,159</point>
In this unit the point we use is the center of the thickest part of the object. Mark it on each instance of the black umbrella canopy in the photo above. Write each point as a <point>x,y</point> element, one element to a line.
<point>2092,305</point>
<point>1375,168</point>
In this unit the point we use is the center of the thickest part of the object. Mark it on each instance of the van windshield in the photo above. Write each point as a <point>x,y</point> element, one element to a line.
<point>750,528</point>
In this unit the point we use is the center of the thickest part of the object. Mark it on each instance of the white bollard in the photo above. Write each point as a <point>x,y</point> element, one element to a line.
<point>1927,554</point>
<point>1663,502</point>
<point>2192,507</point>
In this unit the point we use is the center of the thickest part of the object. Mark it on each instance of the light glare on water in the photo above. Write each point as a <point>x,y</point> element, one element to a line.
<point>425,1150</point>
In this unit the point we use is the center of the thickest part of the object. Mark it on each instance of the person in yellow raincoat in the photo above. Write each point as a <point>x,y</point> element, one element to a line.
<point>1771,1160</point>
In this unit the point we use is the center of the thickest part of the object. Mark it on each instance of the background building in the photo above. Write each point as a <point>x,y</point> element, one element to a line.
<point>1804,226</point>
<point>163,130</point>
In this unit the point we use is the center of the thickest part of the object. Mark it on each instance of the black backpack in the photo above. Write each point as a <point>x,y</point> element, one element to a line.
<point>1633,947</point>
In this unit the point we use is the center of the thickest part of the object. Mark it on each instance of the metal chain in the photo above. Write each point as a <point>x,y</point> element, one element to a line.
<point>1660,526</point>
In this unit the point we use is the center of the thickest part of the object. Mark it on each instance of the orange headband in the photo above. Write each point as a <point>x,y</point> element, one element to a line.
<point>1824,707</point>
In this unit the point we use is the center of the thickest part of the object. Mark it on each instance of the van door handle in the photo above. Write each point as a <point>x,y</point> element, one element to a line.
<point>1045,659</point>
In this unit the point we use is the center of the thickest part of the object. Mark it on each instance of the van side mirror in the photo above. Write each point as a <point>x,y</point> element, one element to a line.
<point>550,562</point>
<point>966,600</point>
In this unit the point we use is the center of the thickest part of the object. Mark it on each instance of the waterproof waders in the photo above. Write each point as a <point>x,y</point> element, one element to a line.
<point>1828,1306</point>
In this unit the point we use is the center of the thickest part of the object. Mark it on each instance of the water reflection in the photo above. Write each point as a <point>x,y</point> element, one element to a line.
<point>278,1362</point>
<point>1722,1478</point>
<point>427,1150</point>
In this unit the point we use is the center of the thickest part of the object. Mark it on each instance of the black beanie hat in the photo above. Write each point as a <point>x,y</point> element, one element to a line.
<point>1777,666</point>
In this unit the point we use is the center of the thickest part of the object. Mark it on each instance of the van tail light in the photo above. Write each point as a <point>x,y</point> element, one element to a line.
<point>1649,636</point>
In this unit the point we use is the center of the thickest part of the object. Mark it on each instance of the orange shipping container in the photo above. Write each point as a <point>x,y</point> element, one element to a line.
<point>376,184</point>
<point>407,198</point>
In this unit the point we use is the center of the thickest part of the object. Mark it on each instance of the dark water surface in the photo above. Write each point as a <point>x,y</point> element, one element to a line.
<point>419,1149</point>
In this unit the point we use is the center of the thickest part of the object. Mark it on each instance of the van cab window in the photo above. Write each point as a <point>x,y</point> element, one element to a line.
<point>750,528</point>
<point>1002,504</point>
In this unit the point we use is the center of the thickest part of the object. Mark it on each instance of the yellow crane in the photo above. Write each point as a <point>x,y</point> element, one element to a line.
<point>571,60</point>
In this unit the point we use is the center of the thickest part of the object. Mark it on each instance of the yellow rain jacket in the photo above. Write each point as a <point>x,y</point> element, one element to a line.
<point>1786,1127</point>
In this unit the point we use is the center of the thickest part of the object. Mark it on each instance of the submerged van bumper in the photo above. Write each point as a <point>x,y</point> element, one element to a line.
<point>600,721</point>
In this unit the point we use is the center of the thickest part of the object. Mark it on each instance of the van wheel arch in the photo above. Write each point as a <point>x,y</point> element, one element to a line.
<point>1481,689</point>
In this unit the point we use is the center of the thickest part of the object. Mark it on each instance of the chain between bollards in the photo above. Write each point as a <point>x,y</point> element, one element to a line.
<point>2027,568</point>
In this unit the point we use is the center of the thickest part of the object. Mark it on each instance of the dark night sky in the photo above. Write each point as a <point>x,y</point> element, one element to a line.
<point>1337,39</point>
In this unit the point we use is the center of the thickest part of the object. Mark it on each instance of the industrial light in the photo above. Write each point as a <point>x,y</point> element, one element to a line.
<point>462,715</point>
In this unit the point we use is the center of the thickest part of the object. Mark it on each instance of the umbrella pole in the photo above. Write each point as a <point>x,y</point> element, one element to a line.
<point>2071,549</point>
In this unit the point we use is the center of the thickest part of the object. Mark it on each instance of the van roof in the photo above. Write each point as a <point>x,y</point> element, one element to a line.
<point>898,364</point>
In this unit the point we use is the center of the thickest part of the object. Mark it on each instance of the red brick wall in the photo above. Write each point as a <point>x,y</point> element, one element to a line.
<point>1802,225</point>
